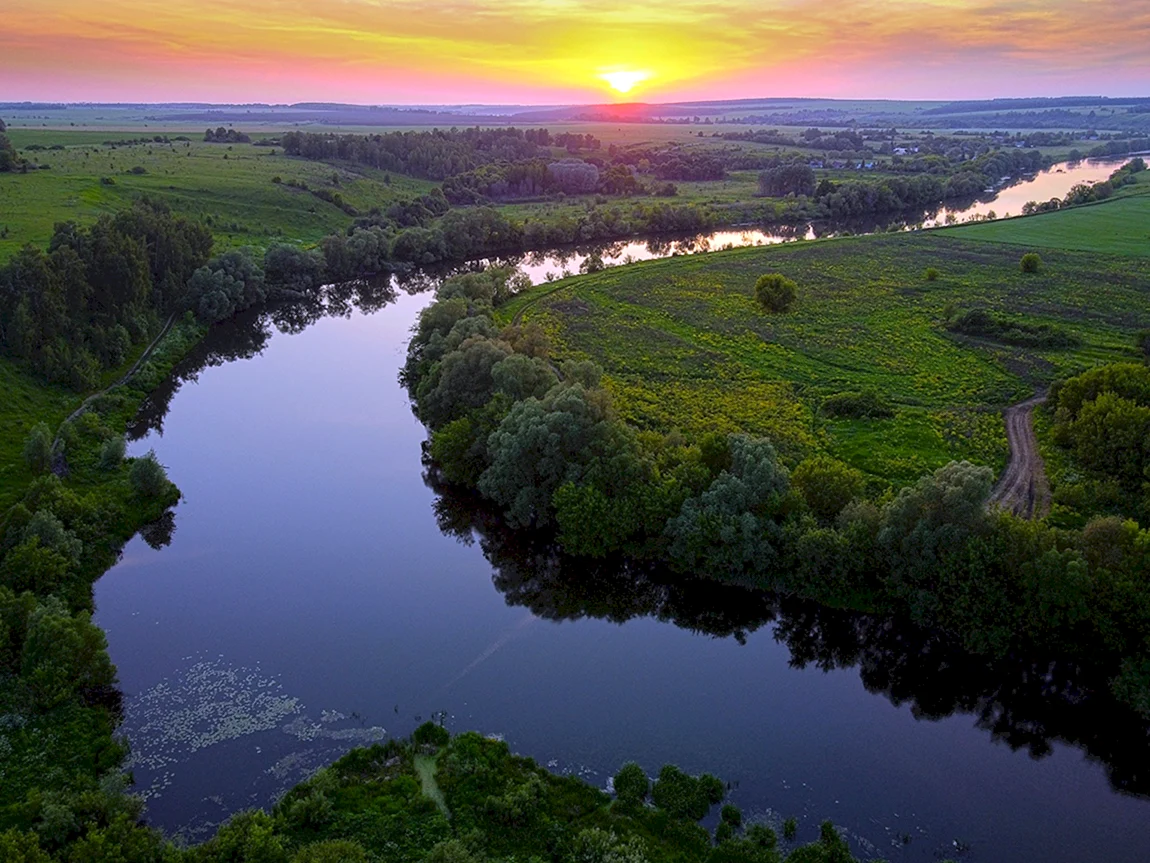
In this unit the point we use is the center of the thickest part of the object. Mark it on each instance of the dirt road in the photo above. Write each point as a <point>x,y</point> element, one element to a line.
<point>1022,488</point>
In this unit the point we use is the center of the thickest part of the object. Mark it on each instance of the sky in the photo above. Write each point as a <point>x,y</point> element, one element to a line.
<point>565,51</point>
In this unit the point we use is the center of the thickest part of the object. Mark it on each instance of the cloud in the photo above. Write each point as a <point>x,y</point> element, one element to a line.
<point>499,50</point>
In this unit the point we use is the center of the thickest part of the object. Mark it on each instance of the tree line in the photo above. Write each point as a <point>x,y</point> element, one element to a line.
<point>9,158</point>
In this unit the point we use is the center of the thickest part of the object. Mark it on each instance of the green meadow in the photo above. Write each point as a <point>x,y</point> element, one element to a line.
<point>230,186</point>
<point>685,345</point>
<point>1120,227</point>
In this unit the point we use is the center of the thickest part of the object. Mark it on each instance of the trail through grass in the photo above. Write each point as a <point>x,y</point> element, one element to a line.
<point>425,767</point>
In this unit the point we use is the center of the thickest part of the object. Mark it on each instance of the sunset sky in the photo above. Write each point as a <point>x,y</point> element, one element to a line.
<point>562,51</point>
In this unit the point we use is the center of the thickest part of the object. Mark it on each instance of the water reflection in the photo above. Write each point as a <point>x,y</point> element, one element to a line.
<point>246,335</point>
<point>1028,702</point>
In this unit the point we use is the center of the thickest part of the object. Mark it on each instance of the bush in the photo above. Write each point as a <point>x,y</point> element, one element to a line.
<point>147,476</point>
<point>827,485</point>
<point>775,292</point>
<point>631,784</point>
<point>1142,342</point>
<point>430,734</point>
<point>790,829</point>
<point>38,448</point>
<point>932,274</point>
<point>112,453</point>
<point>686,797</point>
<point>991,325</point>
<point>867,404</point>
<point>1030,262</point>
<point>331,851</point>
<point>731,815</point>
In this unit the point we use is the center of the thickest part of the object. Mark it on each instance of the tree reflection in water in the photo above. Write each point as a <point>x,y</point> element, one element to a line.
<point>1024,701</point>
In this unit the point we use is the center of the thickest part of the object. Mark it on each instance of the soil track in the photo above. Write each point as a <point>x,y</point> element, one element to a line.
<point>1022,488</point>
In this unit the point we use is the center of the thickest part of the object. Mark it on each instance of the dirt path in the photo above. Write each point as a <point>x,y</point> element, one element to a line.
<point>1022,488</point>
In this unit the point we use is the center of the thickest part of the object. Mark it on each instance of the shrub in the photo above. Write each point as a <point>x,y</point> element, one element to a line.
<point>867,404</point>
<point>790,829</point>
<point>631,784</point>
<point>112,453</point>
<point>932,274</point>
<point>683,796</point>
<point>38,448</point>
<point>1142,342</point>
<point>732,815</point>
<point>430,734</point>
<point>147,476</point>
<point>827,485</point>
<point>1030,262</point>
<point>775,292</point>
<point>331,851</point>
<point>991,325</point>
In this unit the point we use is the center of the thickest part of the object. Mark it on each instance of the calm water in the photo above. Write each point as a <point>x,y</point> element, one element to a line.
<point>316,593</point>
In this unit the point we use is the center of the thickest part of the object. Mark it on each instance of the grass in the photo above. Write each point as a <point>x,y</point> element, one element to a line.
<point>425,766</point>
<point>27,401</point>
<point>684,345</point>
<point>1119,227</point>
<point>228,186</point>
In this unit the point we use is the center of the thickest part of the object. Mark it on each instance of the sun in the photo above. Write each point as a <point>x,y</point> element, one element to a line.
<point>623,81</point>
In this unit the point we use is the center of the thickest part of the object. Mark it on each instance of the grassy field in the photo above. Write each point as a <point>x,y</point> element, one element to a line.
<point>684,344</point>
<point>27,401</point>
<point>230,185</point>
<point>1119,227</point>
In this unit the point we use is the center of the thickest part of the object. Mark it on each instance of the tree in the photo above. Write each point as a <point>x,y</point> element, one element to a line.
<point>734,526</point>
<point>38,448</point>
<point>686,797</point>
<point>292,268</point>
<point>542,444</point>
<point>631,784</point>
<point>1030,262</point>
<point>35,567</point>
<point>63,655</point>
<point>112,453</point>
<point>147,476</point>
<point>331,851</point>
<point>463,380</point>
<point>794,178</point>
<point>827,485</point>
<point>775,292</point>
<point>931,520</point>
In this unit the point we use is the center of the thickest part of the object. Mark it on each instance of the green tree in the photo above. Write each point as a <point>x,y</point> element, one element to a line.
<point>63,655</point>
<point>112,453</point>
<point>734,526</point>
<point>827,485</point>
<point>38,448</point>
<point>18,847</point>
<point>931,520</point>
<point>31,566</point>
<point>631,784</point>
<point>462,382</point>
<point>775,292</point>
<point>147,476</point>
<point>542,444</point>
<point>683,796</point>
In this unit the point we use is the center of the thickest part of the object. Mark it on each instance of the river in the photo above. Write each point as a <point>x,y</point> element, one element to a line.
<point>314,593</point>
